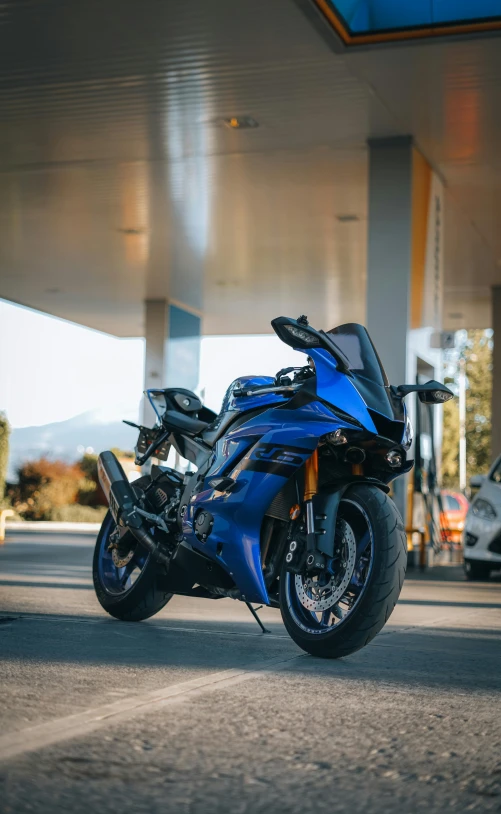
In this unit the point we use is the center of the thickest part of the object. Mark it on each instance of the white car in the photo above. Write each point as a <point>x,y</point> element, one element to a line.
<point>482,531</point>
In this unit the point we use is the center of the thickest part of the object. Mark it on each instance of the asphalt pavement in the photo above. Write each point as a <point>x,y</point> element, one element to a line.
<point>197,711</point>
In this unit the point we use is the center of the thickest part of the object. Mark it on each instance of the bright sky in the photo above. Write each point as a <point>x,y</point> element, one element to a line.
<point>52,370</point>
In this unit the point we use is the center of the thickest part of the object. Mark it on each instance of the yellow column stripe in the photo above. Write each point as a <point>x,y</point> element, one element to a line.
<point>421,186</point>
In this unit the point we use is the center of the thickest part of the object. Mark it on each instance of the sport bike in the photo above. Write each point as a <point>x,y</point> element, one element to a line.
<point>288,506</point>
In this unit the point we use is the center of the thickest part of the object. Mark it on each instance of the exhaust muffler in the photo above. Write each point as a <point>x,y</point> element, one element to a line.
<point>123,503</point>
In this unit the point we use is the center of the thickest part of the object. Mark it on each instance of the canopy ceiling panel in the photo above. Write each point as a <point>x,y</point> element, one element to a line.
<point>121,180</point>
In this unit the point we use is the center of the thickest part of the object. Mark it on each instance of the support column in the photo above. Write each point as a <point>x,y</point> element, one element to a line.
<point>172,353</point>
<point>496,374</point>
<point>183,356</point>
<point>390,252</point>
<point>156,331</point>
<point>389,261</point>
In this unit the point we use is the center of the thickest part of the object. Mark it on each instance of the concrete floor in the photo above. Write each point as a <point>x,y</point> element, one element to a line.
<point>197,711</point>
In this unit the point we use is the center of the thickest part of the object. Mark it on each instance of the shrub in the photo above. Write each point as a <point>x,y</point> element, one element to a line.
<point>79,514</point>
<point>46,485</point>
<point>4,452</point>
<point>88,465</point>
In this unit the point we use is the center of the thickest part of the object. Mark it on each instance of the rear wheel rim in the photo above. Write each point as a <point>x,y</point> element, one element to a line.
<point>114,580</point>
<point>330,616</point>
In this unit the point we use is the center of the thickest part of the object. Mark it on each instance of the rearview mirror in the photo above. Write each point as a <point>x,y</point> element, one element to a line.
<point>476,481</point>
<point>431,392</point>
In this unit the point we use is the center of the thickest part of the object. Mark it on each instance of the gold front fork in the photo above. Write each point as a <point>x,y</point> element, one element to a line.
<point>311,477</point>
<point>310,490</point>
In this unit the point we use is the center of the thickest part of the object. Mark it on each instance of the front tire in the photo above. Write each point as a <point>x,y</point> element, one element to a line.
<point>373,524</point>
<point>477,571</point>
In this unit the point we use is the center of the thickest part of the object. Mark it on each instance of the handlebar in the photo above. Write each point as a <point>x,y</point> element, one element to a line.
<point>261,391</point>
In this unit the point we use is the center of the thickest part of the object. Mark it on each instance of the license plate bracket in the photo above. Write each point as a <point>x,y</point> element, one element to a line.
<point>144,441</point>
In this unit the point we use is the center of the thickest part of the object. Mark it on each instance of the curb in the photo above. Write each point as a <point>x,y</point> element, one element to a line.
<point>49,525</point>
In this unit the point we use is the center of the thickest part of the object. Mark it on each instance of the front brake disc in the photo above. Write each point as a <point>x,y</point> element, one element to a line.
<point>317,597</point>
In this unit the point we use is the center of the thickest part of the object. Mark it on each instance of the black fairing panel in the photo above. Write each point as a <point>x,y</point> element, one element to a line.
<point>225,420</point>
<point>189,567</point>
<point>218,427</point>
<point>192,449</point>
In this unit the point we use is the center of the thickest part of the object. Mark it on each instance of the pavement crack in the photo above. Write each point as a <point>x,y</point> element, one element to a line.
<point>6,620</point>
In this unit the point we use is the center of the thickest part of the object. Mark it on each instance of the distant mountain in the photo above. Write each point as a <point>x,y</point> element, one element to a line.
<point>67,440</point>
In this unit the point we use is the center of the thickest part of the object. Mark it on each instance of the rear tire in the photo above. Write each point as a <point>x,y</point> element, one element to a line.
<point>381,588</point>
<point>477,571</point>
<point>142,598</point>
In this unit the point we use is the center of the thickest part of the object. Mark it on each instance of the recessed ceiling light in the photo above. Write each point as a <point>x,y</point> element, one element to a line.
<point>347,218</point>
<point>240,122</point>
<point>132,231</point>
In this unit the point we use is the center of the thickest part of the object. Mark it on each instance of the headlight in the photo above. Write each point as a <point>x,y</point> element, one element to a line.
<point>306,337</point>
<point>394,458</point>
<point>484,509</point>
<point>336,438</point>
<point>408,433</point>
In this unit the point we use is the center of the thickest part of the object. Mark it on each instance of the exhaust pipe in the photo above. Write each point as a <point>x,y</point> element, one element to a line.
<point>123,503</point>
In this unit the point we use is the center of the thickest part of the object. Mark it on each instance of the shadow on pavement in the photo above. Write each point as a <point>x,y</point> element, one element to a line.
<point>446,603</point>
<point>439,657</point>
<point>31,583</point>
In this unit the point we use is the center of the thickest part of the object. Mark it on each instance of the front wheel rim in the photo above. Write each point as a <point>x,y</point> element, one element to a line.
<point>117,581</point>
<point>326,619</point>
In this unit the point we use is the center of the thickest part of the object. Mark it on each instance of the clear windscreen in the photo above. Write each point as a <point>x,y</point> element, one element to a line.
<point>368,373</point>
<point>354,341</point>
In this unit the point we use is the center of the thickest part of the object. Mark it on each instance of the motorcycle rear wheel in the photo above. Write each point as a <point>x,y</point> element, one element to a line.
<point>131,593</point>
<point>371,541</point>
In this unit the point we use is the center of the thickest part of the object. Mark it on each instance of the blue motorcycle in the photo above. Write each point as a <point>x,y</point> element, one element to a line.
<point>288,506</point>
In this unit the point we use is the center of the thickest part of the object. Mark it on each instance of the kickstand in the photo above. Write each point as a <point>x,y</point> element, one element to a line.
<point>256,617</point>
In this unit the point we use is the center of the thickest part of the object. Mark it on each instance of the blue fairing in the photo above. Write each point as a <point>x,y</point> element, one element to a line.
<point>261,455</point>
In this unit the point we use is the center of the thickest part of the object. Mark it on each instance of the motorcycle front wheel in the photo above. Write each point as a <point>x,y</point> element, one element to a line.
<point>339,612</point>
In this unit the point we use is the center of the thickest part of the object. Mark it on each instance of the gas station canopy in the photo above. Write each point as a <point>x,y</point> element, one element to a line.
<point>361,20</point>
<point>215,154</point>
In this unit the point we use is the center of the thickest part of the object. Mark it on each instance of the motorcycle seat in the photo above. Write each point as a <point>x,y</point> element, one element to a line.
<point>183,423</point>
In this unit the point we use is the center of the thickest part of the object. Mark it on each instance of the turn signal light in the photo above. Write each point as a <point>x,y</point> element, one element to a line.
<point>336,438</point>
<point>394,458</point>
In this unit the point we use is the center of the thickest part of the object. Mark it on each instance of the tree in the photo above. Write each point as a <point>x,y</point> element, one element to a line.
<point>4,452</point>
<point>475,347</point>
<point>450,442</point>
